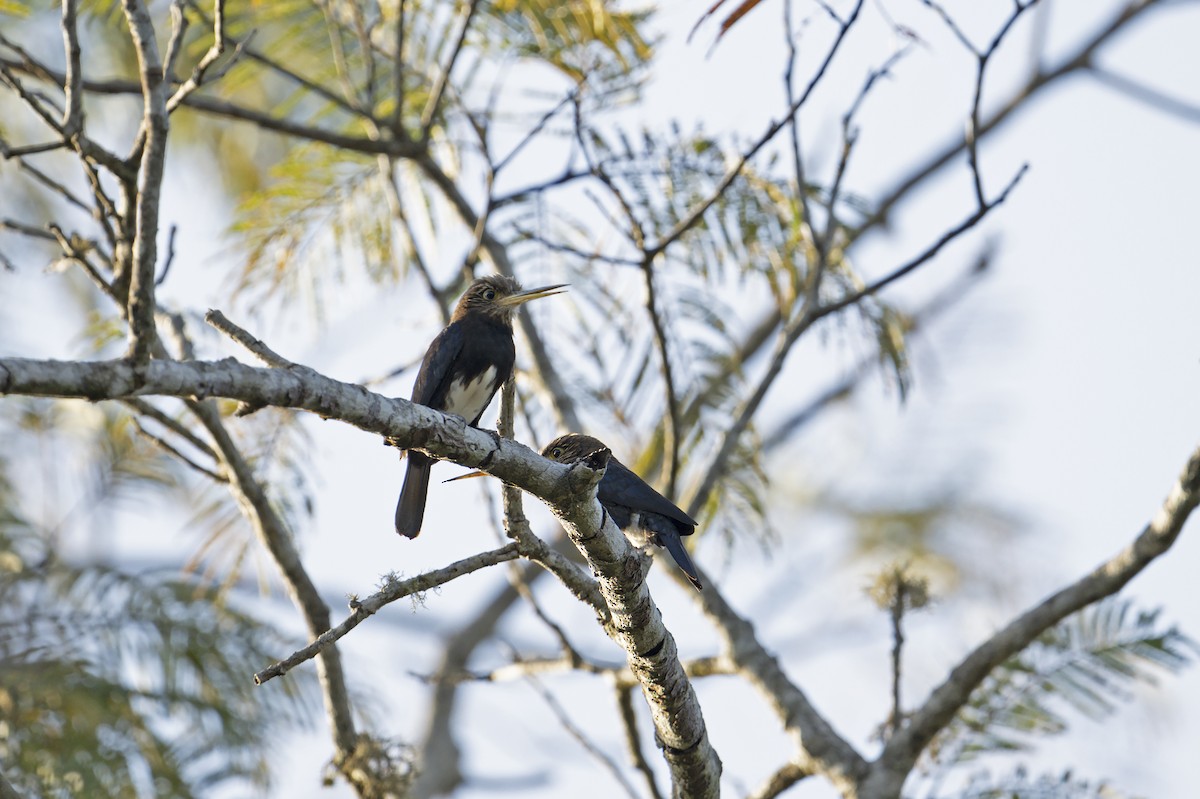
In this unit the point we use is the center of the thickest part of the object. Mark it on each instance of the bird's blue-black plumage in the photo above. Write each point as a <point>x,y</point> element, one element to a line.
<point>641,512</point>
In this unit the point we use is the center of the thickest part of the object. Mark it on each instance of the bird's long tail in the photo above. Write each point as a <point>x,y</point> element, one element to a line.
<point>674,544</point>
<point>410,510</point>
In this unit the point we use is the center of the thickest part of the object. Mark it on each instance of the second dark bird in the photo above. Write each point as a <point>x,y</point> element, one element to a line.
<point>462,370</point>
<point>643,514</point>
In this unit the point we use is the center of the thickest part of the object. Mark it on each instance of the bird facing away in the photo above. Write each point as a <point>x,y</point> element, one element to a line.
<point>641,512</point>
<point>462,370</point>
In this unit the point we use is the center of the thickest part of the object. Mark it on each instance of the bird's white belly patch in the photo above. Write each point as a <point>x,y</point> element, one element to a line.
<point>469,399</point>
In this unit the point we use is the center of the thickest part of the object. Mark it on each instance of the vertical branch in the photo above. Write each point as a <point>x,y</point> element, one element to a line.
<point>896,613</point>
<point>671,423</point>
<point>633,740</point>
<point>149,182</point>
<point>72,120</point>
<point>514,509</point>
<point>897,592</point>
<point>398,72</point>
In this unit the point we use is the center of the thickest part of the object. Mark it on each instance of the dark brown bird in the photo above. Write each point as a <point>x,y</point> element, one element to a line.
<point>462,370</point>
<point>641,512</point>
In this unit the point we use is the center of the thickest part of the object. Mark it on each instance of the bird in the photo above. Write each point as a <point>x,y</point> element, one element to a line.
<point>643,514</point>
<point>462,370</point>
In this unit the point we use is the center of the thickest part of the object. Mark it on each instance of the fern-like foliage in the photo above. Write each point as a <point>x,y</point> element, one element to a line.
<point>1086,664</point>
<point>117,684</point>
<point>584,40</point>
<point>752,240</point>
<point>1021,785</point>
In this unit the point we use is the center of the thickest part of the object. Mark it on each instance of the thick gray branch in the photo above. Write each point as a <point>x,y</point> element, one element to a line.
<point>638,627</point>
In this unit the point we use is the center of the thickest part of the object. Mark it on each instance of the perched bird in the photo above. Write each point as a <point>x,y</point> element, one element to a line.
<point>462,370</point>
<point>641,512</point>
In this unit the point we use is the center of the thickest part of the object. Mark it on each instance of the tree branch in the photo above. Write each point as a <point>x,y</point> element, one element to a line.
<point>902,750</point>
<point>149,183</point>
<point>392,590</point>
<point>638,627</point>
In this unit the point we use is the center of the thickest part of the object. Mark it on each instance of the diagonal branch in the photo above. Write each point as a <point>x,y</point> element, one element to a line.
<point>393,590</point>
<point>1040,80</point>
<point>693,217</point>
<point>1108,578</point>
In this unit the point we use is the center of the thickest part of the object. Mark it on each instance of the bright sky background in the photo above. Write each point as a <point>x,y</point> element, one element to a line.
<point>1063,390</point>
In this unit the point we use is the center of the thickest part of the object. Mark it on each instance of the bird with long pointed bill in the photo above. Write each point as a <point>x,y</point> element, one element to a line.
<point>462,370</point>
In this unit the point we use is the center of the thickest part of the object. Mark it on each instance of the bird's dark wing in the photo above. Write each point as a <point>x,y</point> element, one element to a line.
<point>433,379</point>
<point>621,486</point>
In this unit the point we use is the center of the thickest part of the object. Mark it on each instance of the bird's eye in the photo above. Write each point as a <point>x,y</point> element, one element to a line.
<point>556,453</point>
<point>489,294</point>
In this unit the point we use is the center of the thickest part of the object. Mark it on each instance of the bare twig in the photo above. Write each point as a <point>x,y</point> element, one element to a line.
<point>172,450</point>
<point>170,259</point>
<point>981,57</point>
<point>782,780</point>
<point>147,409</point>
<point>443,79</point>
<point>1039,81</point>
<point>1181,109</point>
<point>255,346</point>
<point>692,217</point>
<point>214,51</point>
<point>392,590</point>
<point>575,732</point>
<point>387,168</point>
<point>671,422</point>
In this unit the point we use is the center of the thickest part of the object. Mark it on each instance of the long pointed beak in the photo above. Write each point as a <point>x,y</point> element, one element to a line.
<point>522,297</point>
<point>466,476</point>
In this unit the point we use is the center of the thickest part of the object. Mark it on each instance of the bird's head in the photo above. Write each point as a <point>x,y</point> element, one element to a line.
<point>499,296</point>
<point>572,447</point>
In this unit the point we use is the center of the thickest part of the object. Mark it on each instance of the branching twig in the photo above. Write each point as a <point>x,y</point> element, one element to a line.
<point>1040,80</point>
<point>255,346</point>
<point>692,217</point>
<point>146,409</point>
<point>393,589</point>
